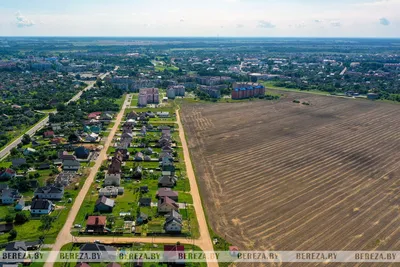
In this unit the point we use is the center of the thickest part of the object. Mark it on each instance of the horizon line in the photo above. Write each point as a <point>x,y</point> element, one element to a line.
<point>209,37</point>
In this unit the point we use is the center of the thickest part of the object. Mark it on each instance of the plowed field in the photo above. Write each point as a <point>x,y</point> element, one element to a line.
<point>286,176</point>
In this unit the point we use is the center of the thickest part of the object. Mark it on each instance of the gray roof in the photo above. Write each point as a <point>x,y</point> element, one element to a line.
<point>40,204</point>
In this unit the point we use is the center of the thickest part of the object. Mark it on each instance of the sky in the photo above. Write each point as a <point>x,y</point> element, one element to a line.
<point>224,18</point>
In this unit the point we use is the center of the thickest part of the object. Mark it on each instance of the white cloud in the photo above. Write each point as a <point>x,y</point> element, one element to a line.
<point>265,24</point>
<point>182,20</point>
<point>23,21</point>
<point>384,21</point>
<point>336,23</point>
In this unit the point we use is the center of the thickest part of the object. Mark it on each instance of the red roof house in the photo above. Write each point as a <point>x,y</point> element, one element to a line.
<point>94,115</point>
<point>96,224</point>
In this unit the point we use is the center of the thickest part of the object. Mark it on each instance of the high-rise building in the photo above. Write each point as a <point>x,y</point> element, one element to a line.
<point>247,90</point>
<point>148,96</point>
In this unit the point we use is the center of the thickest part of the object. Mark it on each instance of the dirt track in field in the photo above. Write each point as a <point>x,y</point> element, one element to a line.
<point>286,176</point>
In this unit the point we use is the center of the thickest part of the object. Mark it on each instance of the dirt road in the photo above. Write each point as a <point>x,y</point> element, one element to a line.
<point>204,242</point>
<point>65,236</point>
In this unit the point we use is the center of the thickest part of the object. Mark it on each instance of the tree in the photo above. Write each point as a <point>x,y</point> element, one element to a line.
<point>26,139</point>
<point>21,217</point>
<point>13,234</point>
<point>46,221</point>
<point>99,83</point>
<point>9,218</point>
<point>14,152</point>
<point>61,107</point>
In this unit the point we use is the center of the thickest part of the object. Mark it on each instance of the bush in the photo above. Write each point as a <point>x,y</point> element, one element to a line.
<point>9,218</point>
<point>296,101</point>
<point>13,234</point>
<point>21,218</point>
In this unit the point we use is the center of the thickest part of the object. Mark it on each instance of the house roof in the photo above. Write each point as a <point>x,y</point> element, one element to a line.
<point>96,220</point>
<point>172,251</point>
<point>49,189</point>
<point>16,246</point>
<point>10,192</point>
<point>106,201</point>
<point>82,264</point>
<point>145,200</point>
<point>40,204</point>
<point>71,163</point>
<point>167,201</point>
<point>166,192</point>
<point>6,227</point>
<point>97,247</point>
<point>174,216</point>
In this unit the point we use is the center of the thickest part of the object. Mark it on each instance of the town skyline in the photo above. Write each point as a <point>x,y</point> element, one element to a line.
<point>223,18</point>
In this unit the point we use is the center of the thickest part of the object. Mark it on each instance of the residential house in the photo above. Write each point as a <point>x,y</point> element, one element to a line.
<point>94,115</point>
<point>20,205</point>
<point>92,128</point>
<point>64,178</point>
<point>167,181</point>
<point>132,115</point>
<point>113,175</point>
<point>3,186</point>
<point>29,151</point>
<point>164,141</point>
<point>18,250</point>
<point>44,166</point>
<point>41,206</point>
<point>18,162</point>
<point>124,153</point>
<point>48,134</point>
<point>57,140</point>
<point>91,138</point>
<point>163,114</point>
<point>106,116</point>
<point>96,224</point>
<point>106,253</point>
<point>167,192</point>
<point>111,191</point>
<point>9,196</point>
<point>127,136</point>
<point>143,131</point>
<point>139,156</point>
<point>5,228</point>
<point>142,218</point>
<point>7,174</point>
<point>82,152</point>
<point>49,192</point>
<point>167,166</point>
<point>35,143</point>
<point>71,165</point>
<point>104,204</point>
<point>173,223</point>
<point>63,155</point>
<point>165,155</point>
<point>145,202</point>
<point>144,189</point>
<point>174,255</point>
<point>137,173</point>
<point>165,204</point>
<point>167,148</point>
